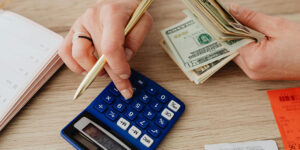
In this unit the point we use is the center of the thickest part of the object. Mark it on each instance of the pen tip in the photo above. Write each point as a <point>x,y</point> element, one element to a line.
<point>77,94</point>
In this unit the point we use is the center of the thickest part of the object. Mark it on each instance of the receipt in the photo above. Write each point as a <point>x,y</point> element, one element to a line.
<point>256,145</point>
<point>286,108</point>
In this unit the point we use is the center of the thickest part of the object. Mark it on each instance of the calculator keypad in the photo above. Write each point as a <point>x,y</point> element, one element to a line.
<point>148,113</point>
<point>123,123</point>
<point>134,132</point>
<point>174,106</point>
<point>111,114</point>
<point>146,140</point>
<point>166,113</point>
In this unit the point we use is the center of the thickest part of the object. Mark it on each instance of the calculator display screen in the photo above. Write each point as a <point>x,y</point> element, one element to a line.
<point>102,138</point>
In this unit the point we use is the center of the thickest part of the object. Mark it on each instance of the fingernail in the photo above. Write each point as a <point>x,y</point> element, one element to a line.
<point>128,54</point>
<point>234,9</point>
<point>126,94</point>
<point>124,76</point>
<point>84,73</point>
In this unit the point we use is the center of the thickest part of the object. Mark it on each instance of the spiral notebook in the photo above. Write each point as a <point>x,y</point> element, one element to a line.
<point>28,59</point>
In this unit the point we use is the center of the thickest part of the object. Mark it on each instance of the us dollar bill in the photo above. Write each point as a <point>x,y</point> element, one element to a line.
<point>193,46</point>
<point>201,74</point>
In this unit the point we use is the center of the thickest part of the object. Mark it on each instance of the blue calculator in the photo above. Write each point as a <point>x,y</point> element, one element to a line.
<point>112,123</point>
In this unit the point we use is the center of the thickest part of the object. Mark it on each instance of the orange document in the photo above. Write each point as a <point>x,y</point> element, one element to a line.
<point>286,108</point>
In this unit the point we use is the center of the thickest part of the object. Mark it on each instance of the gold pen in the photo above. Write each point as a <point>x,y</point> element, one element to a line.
<point>92,74</point>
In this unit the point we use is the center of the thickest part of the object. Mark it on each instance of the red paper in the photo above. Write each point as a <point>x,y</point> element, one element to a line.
<point>286,108</point>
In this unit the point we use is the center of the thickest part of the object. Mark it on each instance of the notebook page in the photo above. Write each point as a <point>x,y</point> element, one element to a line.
<point>25,49</point>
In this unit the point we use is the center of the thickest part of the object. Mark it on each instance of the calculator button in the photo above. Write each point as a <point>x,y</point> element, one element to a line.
<point>154,131</point>
<point>123,123</point>
<point>134,88</point>
<point>145,98</point>
<point>151,90</point>
<point>137,106</point>
<point>143,123</point>
<point>112,115</point>
<point>156,105</point>
<point>161,122</point>
<point>119,106</point>
<point>149,114</point>
<point>114,91</point>
<point>166,113</point>
<point>130,114</point>
<point>146,140</point>
<point>163,98</point>
<point>101,107</point>
<point>134,132</point>
<point>140,83</point>
<point>174,106</point>
<point>108,99</point>
<point>126,100</point>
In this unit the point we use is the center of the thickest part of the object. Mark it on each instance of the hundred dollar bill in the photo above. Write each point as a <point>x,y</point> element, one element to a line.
<point>193,46</point>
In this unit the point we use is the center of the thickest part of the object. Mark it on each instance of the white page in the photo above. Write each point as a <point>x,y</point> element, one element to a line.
<point>25,49</point>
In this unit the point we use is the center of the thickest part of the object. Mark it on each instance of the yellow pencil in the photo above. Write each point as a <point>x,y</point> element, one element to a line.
<point>92,74</point>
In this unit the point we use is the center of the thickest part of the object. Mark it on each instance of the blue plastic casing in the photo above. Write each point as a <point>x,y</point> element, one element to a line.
<point>148,97</point>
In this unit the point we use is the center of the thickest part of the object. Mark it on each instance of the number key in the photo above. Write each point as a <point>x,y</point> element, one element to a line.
<point>145,98</point>
<point>137,106</point>
<point>130,114</point>
<point>114,91</point>
<point>143,123</point>
<point>119,106</point>
<point>149,114</point>
<point>156,105</point>
<point>162,97</point>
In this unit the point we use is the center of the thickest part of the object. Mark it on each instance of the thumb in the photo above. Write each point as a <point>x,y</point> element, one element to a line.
<point>257,21</point>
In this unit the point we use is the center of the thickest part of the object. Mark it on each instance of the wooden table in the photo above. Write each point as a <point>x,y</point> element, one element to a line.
<point>229,107</point>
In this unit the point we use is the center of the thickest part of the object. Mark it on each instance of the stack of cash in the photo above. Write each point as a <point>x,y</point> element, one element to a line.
<point>206,40</point>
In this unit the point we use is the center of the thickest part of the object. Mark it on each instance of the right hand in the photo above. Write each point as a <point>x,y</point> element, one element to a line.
<point>277,57</point>
<point>105,24</point>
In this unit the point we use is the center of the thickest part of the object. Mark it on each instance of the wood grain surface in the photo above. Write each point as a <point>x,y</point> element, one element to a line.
<point>229,107</point>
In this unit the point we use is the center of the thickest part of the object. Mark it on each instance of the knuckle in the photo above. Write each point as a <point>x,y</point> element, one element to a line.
<point>149,19</point>
<point>120,83</point>
<point>110,48</point>
<point>78,55</point>
<point>89,17</point>
<point>134,42</point>
<point>249,15</point>
<point>91,12</point>
<point>121,70</point>
<point>110,8</point>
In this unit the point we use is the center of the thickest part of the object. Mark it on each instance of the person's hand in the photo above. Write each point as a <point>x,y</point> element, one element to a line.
<point>277,57</point>
<point>105,24</point>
